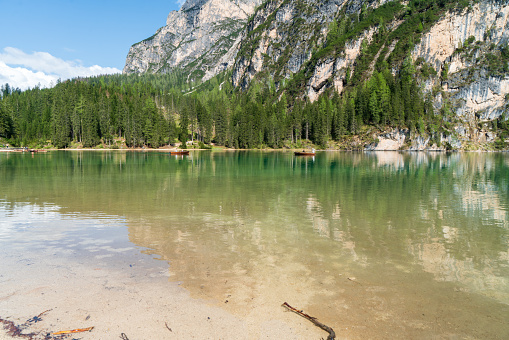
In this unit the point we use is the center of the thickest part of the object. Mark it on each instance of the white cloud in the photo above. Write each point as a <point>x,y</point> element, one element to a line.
<point>42,68</point>
<point>24,78</point>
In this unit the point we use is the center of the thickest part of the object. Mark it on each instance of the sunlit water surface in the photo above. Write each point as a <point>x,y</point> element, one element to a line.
<point>375,244</point>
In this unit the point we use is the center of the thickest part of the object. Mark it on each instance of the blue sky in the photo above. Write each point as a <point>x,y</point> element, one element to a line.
<point>41,41</point>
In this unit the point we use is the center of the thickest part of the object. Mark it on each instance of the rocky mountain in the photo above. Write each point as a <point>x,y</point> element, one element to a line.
<point>201,39</point>
<point>458,50</point>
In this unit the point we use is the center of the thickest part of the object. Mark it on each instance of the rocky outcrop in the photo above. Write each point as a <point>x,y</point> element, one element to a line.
<point>281,37</point>
<point>470,86</point>
<point>336,69</point>
<point>201,38</point>
<point>402,139</point>
<point>481,97</point>
<point>389,141</point>
<point>292,31</point>
<point>486,21</point>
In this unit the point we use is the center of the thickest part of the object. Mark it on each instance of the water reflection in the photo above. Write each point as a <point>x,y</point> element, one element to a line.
<point>395,160</point>
<point>253,228</point>
<point>27,228</point>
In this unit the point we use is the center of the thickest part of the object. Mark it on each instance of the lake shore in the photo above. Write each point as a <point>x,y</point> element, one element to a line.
<point>225,149</point>
<point>127,296</point>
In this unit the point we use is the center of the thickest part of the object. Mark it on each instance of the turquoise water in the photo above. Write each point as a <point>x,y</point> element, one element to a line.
<point>387,244</point>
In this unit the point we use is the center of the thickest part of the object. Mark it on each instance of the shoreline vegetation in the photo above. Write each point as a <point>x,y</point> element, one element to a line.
<point>390,141</point>
<point>214,148</point>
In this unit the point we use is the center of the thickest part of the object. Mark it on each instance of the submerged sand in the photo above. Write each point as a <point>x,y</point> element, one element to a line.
<point>135,298</point>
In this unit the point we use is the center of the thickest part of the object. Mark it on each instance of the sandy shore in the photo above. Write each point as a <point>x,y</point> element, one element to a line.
<point>128,294</point>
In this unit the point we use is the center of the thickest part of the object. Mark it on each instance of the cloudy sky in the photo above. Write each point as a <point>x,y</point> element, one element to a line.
<point>43,41</point>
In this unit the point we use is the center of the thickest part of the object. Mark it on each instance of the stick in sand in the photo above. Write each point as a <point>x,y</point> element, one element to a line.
<point>331,336</point>
<point>78,330</point>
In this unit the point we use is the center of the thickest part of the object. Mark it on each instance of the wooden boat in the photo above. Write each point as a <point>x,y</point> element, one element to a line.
<point>179,152</point>
<point>37,150</point>
<point>304,153</point>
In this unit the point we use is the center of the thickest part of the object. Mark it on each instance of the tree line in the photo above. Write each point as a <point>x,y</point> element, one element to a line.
<point>155,110</point>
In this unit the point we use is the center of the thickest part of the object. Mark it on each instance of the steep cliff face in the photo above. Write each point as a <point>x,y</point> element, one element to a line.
<point>284,35</point>
<point>465,50</point>
<point>470,49</point>
<point>281,37</point>
<point>201,39</point>
<point>460,42</point>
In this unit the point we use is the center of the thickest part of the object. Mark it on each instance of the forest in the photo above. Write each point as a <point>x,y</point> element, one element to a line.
<point>156,110</point>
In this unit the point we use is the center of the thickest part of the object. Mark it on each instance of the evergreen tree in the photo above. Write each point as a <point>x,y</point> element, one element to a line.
<point>183,126</point>
<point>60,122</point>
<point>6,128</point>
<point>90,127</point>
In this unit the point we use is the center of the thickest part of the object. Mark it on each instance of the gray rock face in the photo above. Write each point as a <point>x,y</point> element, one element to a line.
<point>201,38</point>
<point>474,92</point>
<point>389,141</point>
<point>292,30</point>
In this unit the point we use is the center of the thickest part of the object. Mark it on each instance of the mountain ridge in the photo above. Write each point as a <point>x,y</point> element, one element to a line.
<point>198,39</point>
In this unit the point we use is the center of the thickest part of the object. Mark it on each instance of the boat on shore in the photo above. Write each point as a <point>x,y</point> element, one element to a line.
<point>179,152</point>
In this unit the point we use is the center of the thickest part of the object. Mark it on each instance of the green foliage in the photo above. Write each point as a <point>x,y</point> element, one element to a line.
<point>445,72</point>
<point>425,70</point>
<point>6,124</point>
<point>95,110</point>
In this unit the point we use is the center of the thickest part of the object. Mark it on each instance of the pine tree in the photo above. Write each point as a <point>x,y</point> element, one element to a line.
<point>183,126</point>
<point>6,128</point>
<point>60,122</point>
<point>90,126</point>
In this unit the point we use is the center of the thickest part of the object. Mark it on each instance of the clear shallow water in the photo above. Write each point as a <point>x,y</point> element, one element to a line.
<point>374,244</point>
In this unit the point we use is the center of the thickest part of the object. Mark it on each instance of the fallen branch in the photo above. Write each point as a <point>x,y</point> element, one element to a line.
<point>331,336</point>
<point>78,330</point>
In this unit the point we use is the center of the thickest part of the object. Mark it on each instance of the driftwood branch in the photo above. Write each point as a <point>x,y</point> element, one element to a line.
<point>77,330</point>
<point>332,335</point>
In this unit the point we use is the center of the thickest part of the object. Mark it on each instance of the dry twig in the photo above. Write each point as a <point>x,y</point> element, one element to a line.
<point>326,328</point>
<point>77,330</point>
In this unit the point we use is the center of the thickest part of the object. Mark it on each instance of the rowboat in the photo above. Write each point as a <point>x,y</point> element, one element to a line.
<point>179,152</point>
<point>304,153</point>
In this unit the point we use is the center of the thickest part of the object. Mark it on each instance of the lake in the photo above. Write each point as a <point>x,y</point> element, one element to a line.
<point>375,245</point>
